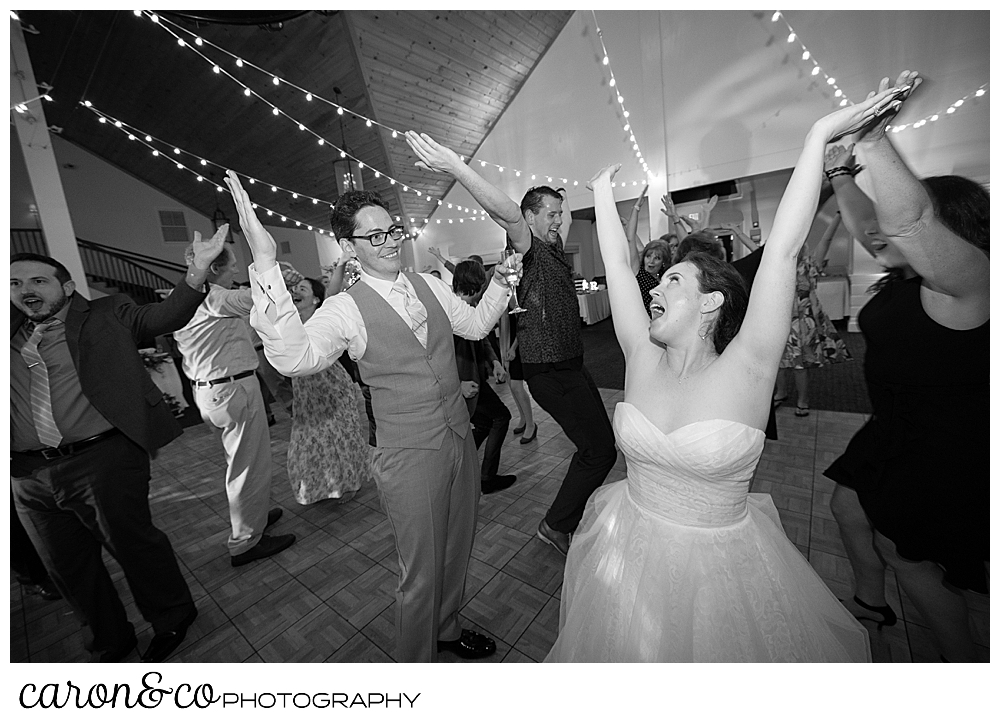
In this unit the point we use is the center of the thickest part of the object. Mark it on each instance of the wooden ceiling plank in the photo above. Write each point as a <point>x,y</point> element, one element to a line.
<point>399,31</point>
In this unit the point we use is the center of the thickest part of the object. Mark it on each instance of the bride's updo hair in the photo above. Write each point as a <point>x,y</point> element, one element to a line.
<point>716,275</point>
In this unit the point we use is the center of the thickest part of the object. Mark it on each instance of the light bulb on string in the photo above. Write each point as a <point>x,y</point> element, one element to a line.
<point>774,18</point>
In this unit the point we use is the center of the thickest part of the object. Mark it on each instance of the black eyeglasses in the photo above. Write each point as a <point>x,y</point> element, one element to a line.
<point>379,237</point>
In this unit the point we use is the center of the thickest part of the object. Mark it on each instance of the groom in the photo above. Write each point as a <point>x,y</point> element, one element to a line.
<point>398,327</point>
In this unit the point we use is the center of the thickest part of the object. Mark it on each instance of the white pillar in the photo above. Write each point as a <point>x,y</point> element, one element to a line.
<point>36,146</point>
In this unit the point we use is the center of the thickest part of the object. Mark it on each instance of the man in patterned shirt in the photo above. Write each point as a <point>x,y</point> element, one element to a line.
<point>548,333</point>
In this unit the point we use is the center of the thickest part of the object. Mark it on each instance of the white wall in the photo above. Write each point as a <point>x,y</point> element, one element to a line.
<point>718,95</point>
<point>111,207</point>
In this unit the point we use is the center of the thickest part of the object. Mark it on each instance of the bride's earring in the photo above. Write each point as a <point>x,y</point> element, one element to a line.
<point>704,330</point>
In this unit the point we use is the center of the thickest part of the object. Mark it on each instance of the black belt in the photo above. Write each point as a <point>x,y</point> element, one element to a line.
<point>72,448</point>
<point>223,380</point>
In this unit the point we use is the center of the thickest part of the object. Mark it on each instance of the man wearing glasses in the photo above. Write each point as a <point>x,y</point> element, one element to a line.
<point>398,327</point>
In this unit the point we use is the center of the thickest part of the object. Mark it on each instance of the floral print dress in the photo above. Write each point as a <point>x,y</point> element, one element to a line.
<point>812,341</point>
<point>327,454</point>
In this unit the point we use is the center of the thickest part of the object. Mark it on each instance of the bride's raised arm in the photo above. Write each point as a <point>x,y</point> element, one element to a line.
<point>762,337</point>
<point>631,322</point>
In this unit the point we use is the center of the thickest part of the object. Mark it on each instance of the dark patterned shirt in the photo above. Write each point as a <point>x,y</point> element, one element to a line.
<point>647,282</point>
<point>549,331</point>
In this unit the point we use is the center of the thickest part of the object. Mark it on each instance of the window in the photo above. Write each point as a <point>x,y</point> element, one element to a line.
<point>286,248</point>
<point>174,226</point>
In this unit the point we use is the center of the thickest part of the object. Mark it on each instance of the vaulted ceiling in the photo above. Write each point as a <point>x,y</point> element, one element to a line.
<point>446,73</point>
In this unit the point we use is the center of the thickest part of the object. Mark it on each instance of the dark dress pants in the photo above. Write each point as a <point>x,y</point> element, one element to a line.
<point>490,421</point>
<point>570,396</point>
<point>24,559</point>
<point>73,506</point>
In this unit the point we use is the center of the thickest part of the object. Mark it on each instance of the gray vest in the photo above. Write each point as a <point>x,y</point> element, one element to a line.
<point>415,392</point>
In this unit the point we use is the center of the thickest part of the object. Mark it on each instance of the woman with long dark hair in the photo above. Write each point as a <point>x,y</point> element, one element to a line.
<point>913,484</point>
<point>678,562</point>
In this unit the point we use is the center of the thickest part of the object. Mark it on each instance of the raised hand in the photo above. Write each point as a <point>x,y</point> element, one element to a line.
<point>642,196</point>
<point>668,209</point>
<point>261,243</point>
<point>711,204</point>
<point>906,83</point>
<point>839,157</point>
<point>205,252</point>
<point>289,274</point>
<point>860,117</point>
<point>433,156</point>
<point>606,173</point>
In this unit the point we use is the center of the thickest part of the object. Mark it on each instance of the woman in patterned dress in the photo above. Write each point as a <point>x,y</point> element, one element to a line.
<point>812,340</point>
<point>327,454</point>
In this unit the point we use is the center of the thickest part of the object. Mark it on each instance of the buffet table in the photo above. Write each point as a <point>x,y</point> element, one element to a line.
<point>594,306</point>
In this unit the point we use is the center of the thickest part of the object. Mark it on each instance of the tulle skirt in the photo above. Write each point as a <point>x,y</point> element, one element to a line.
<point>640,588</point>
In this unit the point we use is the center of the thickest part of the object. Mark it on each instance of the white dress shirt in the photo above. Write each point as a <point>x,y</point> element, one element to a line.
<point>216,342</point>
<point>297,349</point>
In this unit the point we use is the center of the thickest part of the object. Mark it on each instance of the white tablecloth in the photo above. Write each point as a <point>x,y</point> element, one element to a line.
<point>594,306</point>
<point>834,294</point>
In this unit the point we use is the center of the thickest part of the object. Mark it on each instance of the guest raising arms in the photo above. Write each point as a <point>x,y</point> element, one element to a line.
<point>548,332</point>
<point>398,328</point>
<point>678,562</point>
<point>918,471</point>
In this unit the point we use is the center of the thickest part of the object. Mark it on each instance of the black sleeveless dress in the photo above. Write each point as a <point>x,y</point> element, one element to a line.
<point>920,465</point>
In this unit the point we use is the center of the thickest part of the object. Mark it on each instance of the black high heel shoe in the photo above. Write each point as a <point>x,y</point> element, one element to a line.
<point>888,614</point>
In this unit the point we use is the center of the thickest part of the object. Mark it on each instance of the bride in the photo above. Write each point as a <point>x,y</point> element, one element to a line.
<point>678,562</point>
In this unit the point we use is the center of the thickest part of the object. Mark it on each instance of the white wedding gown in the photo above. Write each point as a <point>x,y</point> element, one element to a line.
<point>679,563</point>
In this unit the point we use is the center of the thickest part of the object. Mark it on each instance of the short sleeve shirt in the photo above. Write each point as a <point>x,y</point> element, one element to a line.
<point>549,331</point>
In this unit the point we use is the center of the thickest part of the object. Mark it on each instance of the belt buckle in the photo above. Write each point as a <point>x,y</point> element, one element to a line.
<point>54,453</point>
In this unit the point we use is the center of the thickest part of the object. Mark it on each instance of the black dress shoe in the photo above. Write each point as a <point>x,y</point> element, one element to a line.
<point>265,548</point>
<point>116,655</point>
<point>273,516</point>
<point>44,590</point>
<point>519,430</point>
<point>163,644</point>
<point>470,646</point>
<point>559,540</point>
<point>534,433</point>
<point>500,482</point>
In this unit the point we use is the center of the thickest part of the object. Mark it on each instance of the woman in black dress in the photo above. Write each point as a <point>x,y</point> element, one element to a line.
<point>913,484</point>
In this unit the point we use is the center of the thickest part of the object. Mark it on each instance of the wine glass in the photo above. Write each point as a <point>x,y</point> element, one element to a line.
<point>513,278</point>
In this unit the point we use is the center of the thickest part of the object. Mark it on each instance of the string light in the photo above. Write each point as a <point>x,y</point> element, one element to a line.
<point>247,91</point>
<point>807,55</point>
<point>839,93</point>
<point>613,82</point>
<point>950,110</point>
<point>309,95</point>
<point>133,134</point>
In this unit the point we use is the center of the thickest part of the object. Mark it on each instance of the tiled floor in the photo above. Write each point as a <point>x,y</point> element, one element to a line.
<point>330,597</point>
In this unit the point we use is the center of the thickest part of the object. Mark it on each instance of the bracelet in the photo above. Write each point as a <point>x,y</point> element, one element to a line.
<point>839,171</point>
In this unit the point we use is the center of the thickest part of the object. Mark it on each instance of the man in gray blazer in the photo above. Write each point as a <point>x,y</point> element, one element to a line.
<point>398,327</point>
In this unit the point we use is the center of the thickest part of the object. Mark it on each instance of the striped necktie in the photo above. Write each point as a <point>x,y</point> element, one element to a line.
<point>415,309</point>
<point>41,399</point>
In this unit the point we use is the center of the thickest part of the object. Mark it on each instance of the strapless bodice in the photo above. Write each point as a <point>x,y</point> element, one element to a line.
<point>698,475</point>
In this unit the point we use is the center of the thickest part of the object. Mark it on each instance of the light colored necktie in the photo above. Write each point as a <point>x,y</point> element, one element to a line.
<point>41,398</point>
<point>415,309</point>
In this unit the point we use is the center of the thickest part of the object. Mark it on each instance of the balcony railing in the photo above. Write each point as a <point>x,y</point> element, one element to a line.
<point>125,270</point>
